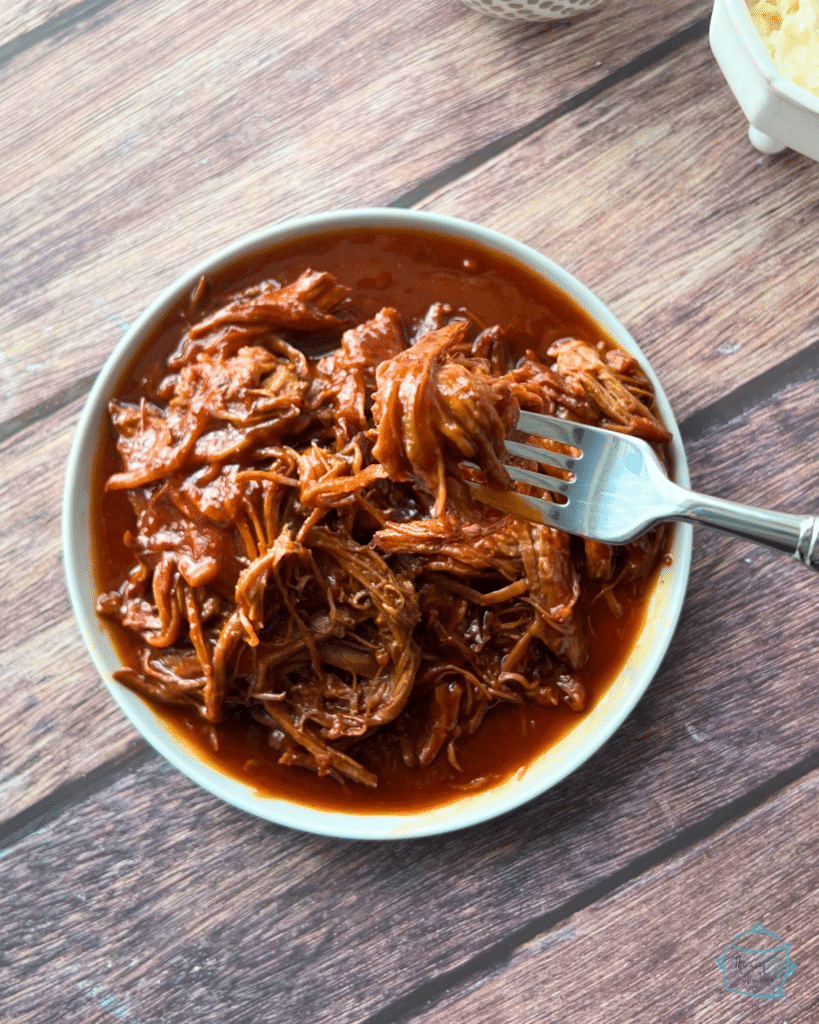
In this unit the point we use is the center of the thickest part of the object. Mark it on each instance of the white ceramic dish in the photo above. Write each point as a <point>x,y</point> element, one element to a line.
<point>592,730</point>
<point>780,114</point>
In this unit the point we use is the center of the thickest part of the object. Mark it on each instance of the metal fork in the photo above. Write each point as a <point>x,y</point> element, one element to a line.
<point>618,489</point>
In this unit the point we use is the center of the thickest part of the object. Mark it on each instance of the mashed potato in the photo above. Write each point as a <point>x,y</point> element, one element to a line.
<point>790,30</point>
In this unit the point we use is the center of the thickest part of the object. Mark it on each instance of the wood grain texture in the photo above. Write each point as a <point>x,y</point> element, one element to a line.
<point>141,139</point>
<point>26,22</point>
<point>693,369</point>
<point>52,701</point>
<point>649,951</point>
<point>128,893</point>
<point>160,132</point>
<point>708,262</point>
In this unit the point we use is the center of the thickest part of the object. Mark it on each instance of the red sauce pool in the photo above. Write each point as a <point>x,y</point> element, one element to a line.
<point>409,270</point>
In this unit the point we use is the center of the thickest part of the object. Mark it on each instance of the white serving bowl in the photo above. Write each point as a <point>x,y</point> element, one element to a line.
<point>781,114</point>
<point>592,730</point>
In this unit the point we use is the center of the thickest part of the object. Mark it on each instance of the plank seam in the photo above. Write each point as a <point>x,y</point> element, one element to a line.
<point>472,161</point>
<point>42,410</point>
<point>47,810</point>
<point>63,22</point>
<point>754,394</point>
<point>428,995</point>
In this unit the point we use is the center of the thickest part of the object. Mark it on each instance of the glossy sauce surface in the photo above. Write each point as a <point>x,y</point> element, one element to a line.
<point>409,271</point>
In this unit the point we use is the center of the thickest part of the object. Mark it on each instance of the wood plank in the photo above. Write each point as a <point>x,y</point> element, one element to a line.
<point>53,700</point>
<point>129,891</point>
<point>648,952</point>
<point>137,146</point>
<point>708,261</point>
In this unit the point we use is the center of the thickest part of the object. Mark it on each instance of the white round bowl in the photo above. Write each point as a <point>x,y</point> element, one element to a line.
<point>593,728</point>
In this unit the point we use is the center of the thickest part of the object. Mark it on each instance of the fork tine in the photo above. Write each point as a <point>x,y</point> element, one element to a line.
<point>550,427</point>
<point>523,506</point>
<point>543,455</point>
<point>546,483</point>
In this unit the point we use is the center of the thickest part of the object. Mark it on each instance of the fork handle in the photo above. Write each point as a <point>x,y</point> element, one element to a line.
<point>797,536</point>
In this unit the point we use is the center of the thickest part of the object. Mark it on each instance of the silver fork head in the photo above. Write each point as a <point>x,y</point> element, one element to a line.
<point>609,482</point>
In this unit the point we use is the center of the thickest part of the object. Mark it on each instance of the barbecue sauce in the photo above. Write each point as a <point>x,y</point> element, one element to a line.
<point>410,271</point>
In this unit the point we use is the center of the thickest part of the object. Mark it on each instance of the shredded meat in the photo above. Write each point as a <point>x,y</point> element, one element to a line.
<point>304,305</point>
<point>434,407</point>
<point>303,544</point>
<point>615,387</point>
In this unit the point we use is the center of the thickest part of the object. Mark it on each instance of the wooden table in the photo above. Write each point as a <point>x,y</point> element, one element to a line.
<point>137,137</point>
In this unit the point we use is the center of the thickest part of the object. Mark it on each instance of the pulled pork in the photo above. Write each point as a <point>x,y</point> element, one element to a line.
<point>304,545</point>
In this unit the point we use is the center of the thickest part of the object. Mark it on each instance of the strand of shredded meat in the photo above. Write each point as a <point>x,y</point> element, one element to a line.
<point>303,542</point>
